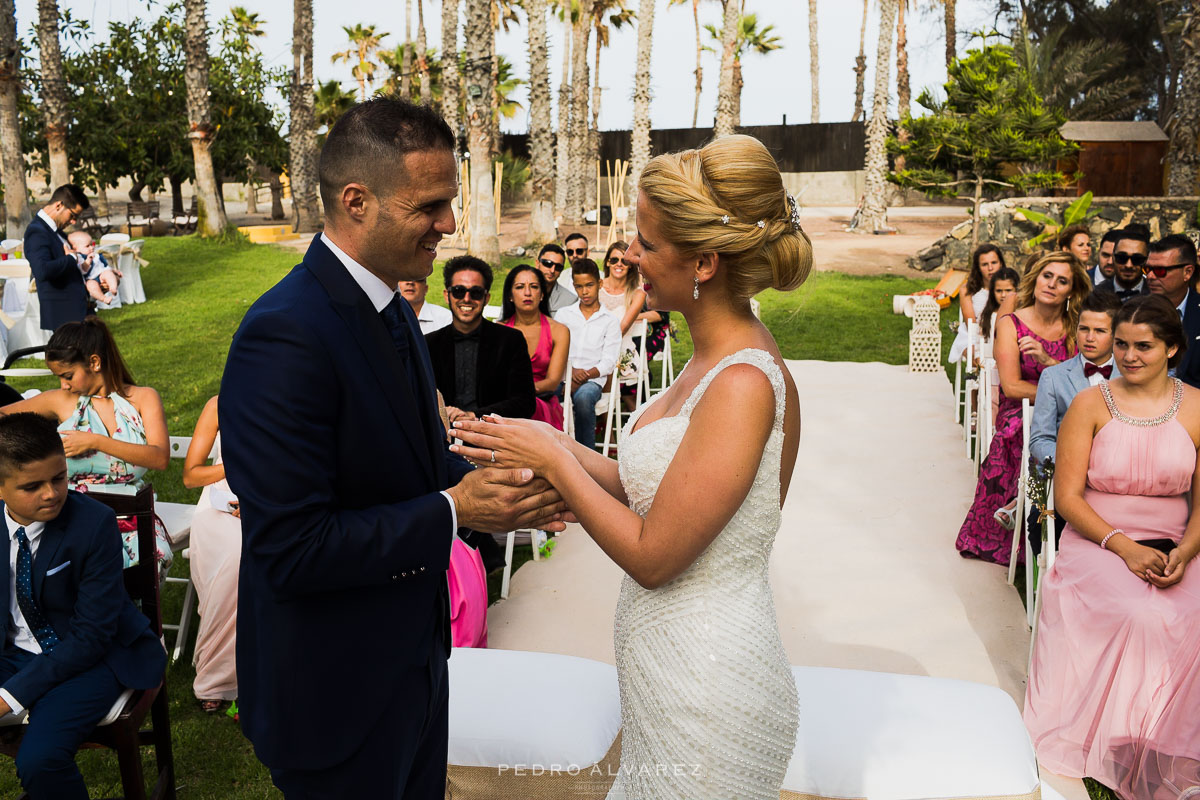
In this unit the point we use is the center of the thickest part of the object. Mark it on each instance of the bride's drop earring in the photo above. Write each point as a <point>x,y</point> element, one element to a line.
<point>696,289</point>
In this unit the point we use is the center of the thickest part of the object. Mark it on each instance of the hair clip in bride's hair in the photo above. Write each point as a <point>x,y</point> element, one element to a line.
<point>794,211</point>
<point>725,219</point>
<point>762,223</point>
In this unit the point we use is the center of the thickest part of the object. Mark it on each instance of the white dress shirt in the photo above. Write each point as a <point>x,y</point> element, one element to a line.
<point>380,294</point>
<point>46,219</point>
<point>595,340</point>
<point>18,631</point>
<point>433,318</point>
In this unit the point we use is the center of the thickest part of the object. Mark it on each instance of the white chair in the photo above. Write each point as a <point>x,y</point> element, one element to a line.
<point>755,308</point>
<point>971,414</point>
<point>114,238</point>
<point>668,369</point>
<point>1020,510</point>
<point>130,265</point>
<point>10,247</point>
<point>960,396</point>
<point>492,312</point>
<point>613,412</point>
<point>1045,561</point>
<point>21,305</point>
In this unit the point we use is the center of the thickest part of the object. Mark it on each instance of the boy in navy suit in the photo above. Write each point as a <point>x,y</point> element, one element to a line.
<point>74,639</point>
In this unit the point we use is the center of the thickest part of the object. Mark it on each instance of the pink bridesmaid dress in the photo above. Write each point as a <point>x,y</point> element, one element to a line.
<point>468,596</point>
<point>551,410</point>
<point>1114,686</point>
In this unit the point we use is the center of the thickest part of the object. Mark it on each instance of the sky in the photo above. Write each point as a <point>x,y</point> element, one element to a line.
<point>776,84</point>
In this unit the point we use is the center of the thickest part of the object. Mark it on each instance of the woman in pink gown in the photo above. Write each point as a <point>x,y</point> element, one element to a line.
<point>526,308</point>
<point>1114,685</point>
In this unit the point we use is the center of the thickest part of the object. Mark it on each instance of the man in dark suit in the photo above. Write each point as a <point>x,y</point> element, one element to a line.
<point>480,367</point>
<point>62,296</point>
<point>74,638</point>
<point>349,495</point>
<point>1129,256</point>
<point>1171,271</point>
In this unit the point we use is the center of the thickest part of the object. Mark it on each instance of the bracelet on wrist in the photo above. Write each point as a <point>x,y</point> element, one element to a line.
<point>1112,533</point>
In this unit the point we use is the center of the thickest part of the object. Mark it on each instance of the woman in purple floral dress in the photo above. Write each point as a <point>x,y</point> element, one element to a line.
<point>1040,333</point>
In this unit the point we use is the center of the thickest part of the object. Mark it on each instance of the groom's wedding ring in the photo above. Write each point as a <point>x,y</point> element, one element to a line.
<point>493,456</point>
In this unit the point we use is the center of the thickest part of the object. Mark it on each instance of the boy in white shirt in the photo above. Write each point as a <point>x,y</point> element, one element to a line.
<point>595,347</point>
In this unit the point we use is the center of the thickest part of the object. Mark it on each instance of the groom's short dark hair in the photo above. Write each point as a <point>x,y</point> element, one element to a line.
<point>367,144</point>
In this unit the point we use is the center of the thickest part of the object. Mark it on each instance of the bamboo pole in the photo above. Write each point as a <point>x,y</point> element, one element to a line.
<point>597,239</point>
<point>464,195</point>
<point>496,192</point>
<point>608,180</point>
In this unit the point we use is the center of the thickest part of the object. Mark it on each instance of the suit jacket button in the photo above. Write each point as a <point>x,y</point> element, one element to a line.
<point>395,578</point>
<point>422,569</point>
<point>403,574</point>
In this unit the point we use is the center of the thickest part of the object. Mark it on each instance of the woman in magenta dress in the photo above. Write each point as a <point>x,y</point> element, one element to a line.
<point>1038,334</point>
<point>526,308</point>
<point>1114,684</point>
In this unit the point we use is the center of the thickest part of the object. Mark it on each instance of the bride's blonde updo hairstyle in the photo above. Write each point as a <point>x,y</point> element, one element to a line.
<point>712,200</point>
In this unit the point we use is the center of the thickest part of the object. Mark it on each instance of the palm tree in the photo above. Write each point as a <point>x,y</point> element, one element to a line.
<point>562,153</point>
<point>483,240</point>
<point>423,56</point>
<point>699,49</point>
<point>364,43</point>
<point>749,39</point>
<point>579,177</point>
<point>815,116</point>
<point>860,67</point>
<point>241,26</point>
<point>302,127</point>
<point>541,140</point>
<point>951,31</point>
<point>54,92</point>
<point>200,131</point>
<point>1083,80</point>
<point>726,104</point>
<point>16,192</point>
<point>450,76</point>
<point>1185,161</point>
<point>618,16</point>
<point>330,102</point>
<point>875,201</point>
<point>640,137</point>
<point>406,53</point>
<point>903,84</point>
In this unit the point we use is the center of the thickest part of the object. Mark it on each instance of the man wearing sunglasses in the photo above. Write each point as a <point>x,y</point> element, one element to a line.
<point>551,261</point>
<point>62,295</point>
<point>479,367</point>
<point>1170,271</point>
<point>1129,256</point>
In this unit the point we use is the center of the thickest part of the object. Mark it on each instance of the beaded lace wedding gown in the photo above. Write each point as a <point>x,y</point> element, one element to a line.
<point>708,702</point>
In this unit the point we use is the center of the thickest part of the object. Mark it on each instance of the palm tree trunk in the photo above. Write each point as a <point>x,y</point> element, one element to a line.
<point>562,144</point>
<point>450,64</point>
<point>814,76</point>
<point>581,167</point>
<point>212,217</point>
<point>302,129</point>
<point>1185,161</point>
<point>422,60</point>
<point>725,123</point>
<point>903,84</point>
<point>541,142</point>
<point>594,129</point>
<point>951,32</point>
<point>54,92</point>
<point>484,241</point>
<point>16,192</point>
<point>875,204</point>
<point>699,69</point>
<point>860,67</point>
<point>406,57</point>
<point>494,100</point>
<point>738,83</point>
<point>640,144</point>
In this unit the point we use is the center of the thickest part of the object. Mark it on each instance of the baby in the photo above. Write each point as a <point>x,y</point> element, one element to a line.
<point>100,278</point>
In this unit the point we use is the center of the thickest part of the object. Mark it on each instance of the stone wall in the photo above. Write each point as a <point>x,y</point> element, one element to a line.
<point>1001,224</point>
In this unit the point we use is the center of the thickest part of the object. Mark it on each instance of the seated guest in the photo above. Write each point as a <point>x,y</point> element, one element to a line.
<point>216,554</point>
<point>479,367</point>
<point>595,348</point>
<point>1076,240</point>
<point>1129,256</point>
<point>1114,682</point>
<point>621,290</point>
<point>1170,271</point>
<point>973,296</point>
<point>112,429</point>
<point>1059,384</point>
<point>74,639</point>
<point>62,296</point>
<point>577,248</point>
<point>1104,259</point>
<point>99,277</point>
<point>525,308</point>
<point>1039,334</point>
<point>429,316</point>
<point>1002,300</point>
<point>551,261</point>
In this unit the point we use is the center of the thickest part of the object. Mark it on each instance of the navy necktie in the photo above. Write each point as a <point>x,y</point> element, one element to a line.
<point>42,630</point>
<point>401,333</point>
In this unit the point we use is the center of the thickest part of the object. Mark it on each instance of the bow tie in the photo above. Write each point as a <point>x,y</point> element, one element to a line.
<point>1090,369</point>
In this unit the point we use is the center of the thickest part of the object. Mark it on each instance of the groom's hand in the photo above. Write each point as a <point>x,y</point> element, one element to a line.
<point>500,500</point>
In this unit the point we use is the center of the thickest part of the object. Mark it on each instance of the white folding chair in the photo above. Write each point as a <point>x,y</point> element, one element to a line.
<point>1045,560</point>
<point>668,369</point>
<point>114,238</point>
<point>755,308</point>
<point>10,247</point>
<point>492,312</point>
<point>1019,510</point>
<point>959,395</point>
<point>130,265</point>
<point>614,412</point>
<point>21,306</point>
<point>971,413</point>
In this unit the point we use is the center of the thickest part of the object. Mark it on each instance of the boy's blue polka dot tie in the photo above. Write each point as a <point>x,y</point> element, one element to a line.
<point>42,630</point>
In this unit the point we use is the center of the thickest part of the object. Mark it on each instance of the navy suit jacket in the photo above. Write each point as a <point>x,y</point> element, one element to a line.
<point>78,584</point>
<point>62,295</point>
<point>1188,370</point>
<point>345,539</point>
<point>1056,388</point>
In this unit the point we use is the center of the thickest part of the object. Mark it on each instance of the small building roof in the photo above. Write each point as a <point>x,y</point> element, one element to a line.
<point>1112,132</point>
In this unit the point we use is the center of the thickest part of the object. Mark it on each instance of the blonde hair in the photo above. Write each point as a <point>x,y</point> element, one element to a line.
<point>733,177</point>
<point>1080,288</point>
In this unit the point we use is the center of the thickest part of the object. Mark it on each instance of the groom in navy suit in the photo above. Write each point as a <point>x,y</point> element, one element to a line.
<point>62,294</point>
<point>74,638</point>
<point>350,498</point>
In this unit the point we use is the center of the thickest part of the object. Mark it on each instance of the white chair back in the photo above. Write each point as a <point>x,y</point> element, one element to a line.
<point>114,238</point>
<point>492,312</point>
<point>8,247</point>
<point>613,427</point>
<point>129,263</point>
<point>1020,510</point>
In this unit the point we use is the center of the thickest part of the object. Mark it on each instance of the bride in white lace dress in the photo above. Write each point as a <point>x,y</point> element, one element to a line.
<point>691,510</point>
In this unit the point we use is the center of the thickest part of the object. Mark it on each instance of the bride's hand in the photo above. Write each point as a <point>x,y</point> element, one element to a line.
<point>508,443</point>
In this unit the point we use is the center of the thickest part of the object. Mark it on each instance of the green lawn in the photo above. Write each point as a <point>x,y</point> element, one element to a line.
<point>177,343</point>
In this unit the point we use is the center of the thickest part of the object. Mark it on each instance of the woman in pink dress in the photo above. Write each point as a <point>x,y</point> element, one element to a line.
<point>1114,685</point>
<point>526,308</point>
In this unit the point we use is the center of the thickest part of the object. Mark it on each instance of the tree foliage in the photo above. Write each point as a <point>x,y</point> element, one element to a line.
<point>1083,80</point>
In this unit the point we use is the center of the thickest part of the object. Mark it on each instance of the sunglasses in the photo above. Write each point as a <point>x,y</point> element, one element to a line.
<point>582,251</point>
<point>1161,272</point>
<point>1137,259</point>
<point>615,260</point>
<point>548,264</point>
<point>476,293</point>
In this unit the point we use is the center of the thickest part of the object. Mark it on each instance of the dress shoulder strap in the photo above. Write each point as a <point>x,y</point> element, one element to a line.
<point>754,357</point>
